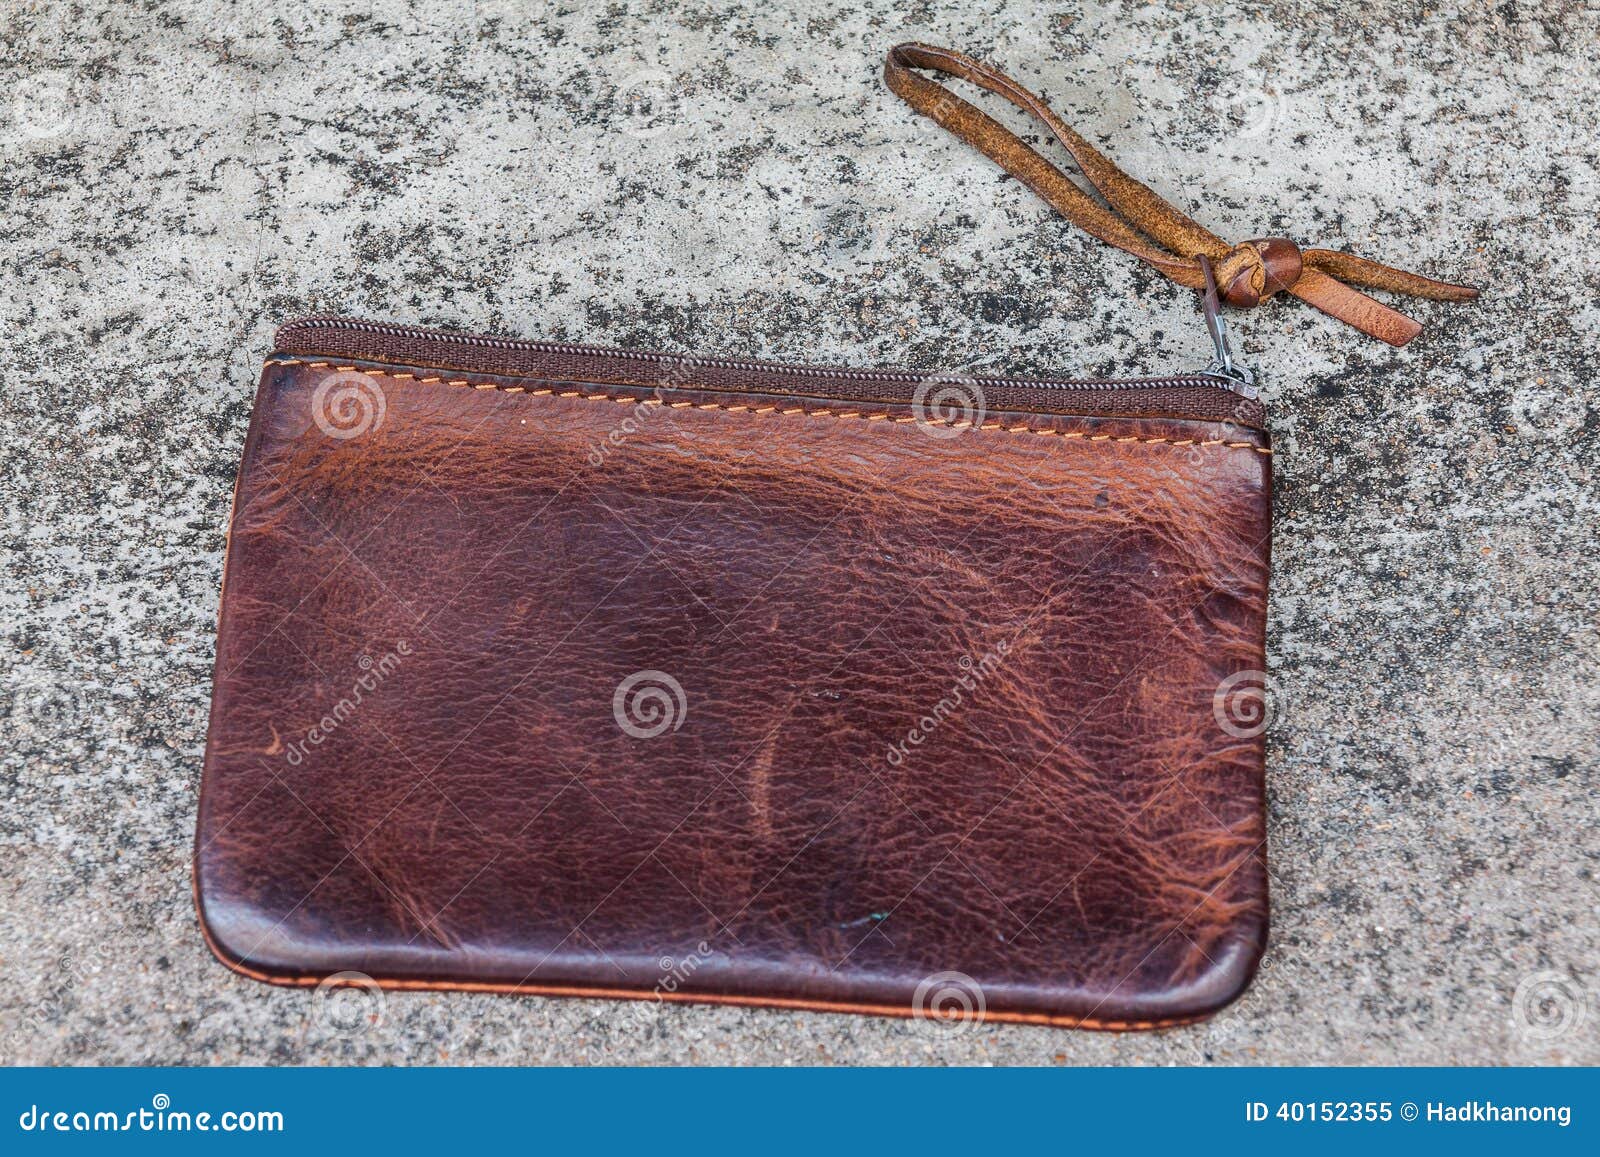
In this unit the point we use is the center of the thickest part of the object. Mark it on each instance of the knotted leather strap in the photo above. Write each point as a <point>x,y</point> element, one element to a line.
<point>1135,219</point>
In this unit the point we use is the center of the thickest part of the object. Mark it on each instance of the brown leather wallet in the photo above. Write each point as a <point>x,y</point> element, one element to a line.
<point>563,670</point>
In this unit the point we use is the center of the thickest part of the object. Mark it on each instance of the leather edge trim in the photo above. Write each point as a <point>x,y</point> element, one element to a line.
<point>791,411</point>
<point>737,1000</point>
<point>904,1012</point>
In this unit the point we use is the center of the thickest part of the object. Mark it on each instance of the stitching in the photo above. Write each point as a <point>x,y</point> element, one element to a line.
<point>963,424</point>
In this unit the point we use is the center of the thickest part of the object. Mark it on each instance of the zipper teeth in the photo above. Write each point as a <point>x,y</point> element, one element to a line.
<point>516,345</point>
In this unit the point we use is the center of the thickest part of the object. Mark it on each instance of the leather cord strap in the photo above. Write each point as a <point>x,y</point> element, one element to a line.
<point>1138,221</point>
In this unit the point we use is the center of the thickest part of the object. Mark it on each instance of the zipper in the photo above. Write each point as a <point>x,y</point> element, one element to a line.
<point>1222,362</point>
<point>1221,392</point>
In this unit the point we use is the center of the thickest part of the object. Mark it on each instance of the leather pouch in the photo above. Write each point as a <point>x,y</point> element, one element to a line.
<point>562,670</point>
<point>576,671</point>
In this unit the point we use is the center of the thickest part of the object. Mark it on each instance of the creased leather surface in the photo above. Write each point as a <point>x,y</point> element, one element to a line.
<point>1077,834</point>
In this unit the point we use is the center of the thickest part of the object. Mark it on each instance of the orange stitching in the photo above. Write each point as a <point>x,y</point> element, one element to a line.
<point>741,409</point>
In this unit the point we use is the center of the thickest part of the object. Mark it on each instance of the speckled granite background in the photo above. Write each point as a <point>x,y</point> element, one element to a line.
<point>180,177</point>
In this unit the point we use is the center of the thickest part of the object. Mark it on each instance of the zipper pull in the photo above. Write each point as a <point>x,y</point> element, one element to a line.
<point>1238,378</point>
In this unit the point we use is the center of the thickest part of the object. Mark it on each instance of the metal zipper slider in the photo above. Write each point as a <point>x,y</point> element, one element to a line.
<point>1239,379</point>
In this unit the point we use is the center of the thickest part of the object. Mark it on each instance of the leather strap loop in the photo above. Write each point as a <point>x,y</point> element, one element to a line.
<point>1138,221</point>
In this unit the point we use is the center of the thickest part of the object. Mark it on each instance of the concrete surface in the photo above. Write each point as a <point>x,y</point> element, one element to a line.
<point>180,177</point>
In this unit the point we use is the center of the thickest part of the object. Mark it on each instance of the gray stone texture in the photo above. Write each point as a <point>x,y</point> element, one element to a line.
<point>180,177</point>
